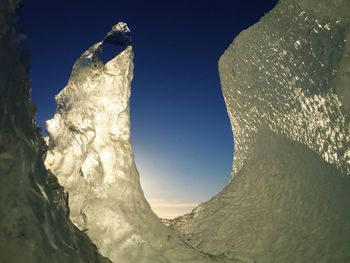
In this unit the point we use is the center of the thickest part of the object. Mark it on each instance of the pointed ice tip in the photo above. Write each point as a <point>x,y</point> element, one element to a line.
<point>119,35</point>
<point>121,27</point>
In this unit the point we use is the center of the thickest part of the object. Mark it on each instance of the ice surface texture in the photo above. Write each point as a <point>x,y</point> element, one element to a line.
<point>290,73</point>
<point>91,155</point>
<point>34,223</point>
<point>286,204</point>
<point>285,81</point>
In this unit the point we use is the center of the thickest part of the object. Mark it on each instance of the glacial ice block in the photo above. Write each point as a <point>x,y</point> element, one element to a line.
<point>91,155</point>
<point>285,81</point>
<point>290,74</point>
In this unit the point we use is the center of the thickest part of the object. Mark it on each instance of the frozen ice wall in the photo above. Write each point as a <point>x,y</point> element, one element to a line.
<point>34,223</point>
<point>285,81</point>
<point>290,73</point>
<point>91,155</point>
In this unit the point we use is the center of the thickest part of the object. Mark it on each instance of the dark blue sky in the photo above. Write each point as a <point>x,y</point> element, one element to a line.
<point>181,133</point>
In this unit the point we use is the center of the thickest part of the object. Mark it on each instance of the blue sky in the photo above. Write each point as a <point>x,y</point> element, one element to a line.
<point>181,133</point>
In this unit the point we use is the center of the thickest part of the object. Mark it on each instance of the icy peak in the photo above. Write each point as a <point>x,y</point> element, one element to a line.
<point>90,153</point>
<point>119,35</point>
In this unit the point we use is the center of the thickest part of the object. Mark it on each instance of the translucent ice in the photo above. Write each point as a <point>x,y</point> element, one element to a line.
<point>91,155</point>
<point>119,35</point>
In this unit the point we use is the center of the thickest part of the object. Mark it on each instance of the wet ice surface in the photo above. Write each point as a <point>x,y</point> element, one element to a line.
<point>285,81</point>
<point>290,73</point>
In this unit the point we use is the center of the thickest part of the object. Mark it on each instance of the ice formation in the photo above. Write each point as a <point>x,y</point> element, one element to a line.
<point>285,82</point>
<point>34,223</point>
<point>91,155</point>
<point>293,79</point>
